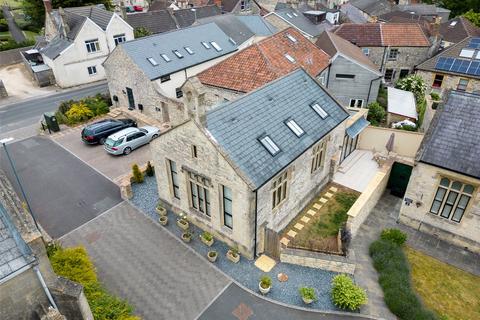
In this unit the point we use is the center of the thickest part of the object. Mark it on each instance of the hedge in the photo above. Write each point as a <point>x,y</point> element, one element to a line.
<point>83,109</point>
<point>394,278</point>
<point>75,264</point>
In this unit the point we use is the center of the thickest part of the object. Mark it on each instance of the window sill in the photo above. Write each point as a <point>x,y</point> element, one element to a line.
<point>200,214</point>
<point>448,220</point>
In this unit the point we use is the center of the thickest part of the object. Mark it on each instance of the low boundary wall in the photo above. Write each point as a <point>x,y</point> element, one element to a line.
<point>319,260</point>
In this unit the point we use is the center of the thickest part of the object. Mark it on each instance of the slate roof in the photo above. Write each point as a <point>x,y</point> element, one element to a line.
<point>451,52</point>
<point>97,14</point>
<point>451,141</point>
<point>457,29</point>
<point>186,17</point>
<point>157,5</point>
<point>384,34</point>
<point>237,125</point>
<point>55,47</point>
<point>231,25</point>
<point>229,5</point>
<point>155,21</point>
<point>353,14</point>
<point>373,7</point>
<point>257,24</point>
<point>422,9</point>
<point>299,21</point>
<point>333,44</point>
<point>141,49</point>
<point>265,61</point>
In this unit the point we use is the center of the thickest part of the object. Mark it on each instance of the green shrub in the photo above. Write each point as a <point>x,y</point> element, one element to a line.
<point>150,171</point>
<point>414,84</point>
<point>435,96</point>
<point>11,44</point>
<point>265,281</point>
<point>421,108</point>
<point>137,174</point>
<point>79,112</point>
<point>207,236</point>
<point>307,293</point>
<point>394,235</point>
<point>61,118</point>
<point>407,127</point>
<point>394,278</point>
<point>141,32</point>
<point>347,295</point>
<point>97,104</point>
<point>376,113</point>
<point>3,25</point>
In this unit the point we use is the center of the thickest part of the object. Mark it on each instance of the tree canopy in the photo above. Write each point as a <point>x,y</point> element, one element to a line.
<point>474,17</point>
<point>457,7</point>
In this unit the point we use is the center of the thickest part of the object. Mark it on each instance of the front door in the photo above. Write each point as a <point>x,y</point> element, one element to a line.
<point>399,177</point>
<point>131,100</point>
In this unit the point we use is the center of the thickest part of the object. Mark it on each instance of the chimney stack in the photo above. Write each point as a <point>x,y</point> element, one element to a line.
<point>48,6</point>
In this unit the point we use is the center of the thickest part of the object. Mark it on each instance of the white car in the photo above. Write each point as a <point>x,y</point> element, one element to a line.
<point>126,140</point>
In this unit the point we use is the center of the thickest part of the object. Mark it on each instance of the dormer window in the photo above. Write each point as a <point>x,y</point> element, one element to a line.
<point>206,45</point>
<point>271,147</point>
<point>165,57</point>
<point>319,110</point>
<point>152,61</point>
<point>178,54</point>
<point>289,58</point>
<point>216,46</point>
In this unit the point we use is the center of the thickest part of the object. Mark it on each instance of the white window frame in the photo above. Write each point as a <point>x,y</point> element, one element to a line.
<point>296,129</point>
<point>92,46</point>
<point>199,194</point>
<point>92,70</point>
<point>270,145</point>
<point>366,51</point>
<point>119,38</point>
<point>393,57</point>
<point>319,110</point>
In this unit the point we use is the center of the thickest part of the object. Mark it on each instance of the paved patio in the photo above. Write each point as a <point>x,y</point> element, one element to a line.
<point>356,171</point>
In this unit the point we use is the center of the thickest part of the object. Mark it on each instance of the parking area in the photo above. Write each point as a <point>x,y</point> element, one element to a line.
<point>114,167</point>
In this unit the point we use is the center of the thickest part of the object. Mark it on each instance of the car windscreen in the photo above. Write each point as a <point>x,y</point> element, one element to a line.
<point>143,130</point>
<point>113,143</point>
<point>87,132</point>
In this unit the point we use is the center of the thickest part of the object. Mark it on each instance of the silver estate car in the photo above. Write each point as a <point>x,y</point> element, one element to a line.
<point>126,140</point>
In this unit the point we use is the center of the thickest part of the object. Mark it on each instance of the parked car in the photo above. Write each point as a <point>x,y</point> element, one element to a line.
<point>98,132</point>
<point>138,8</point>
<point>123,142</point>
<point>129,9</point>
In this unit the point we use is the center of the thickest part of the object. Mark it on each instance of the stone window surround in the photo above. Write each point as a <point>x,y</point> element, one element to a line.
<point>393,54</point>
<point>461,86</point>
<point>284,177</point>
<point>437,83</point>
<point>119,38</point>
<point>204,182</point>
<point>318,150</point>
<point>452,179</point>
<point>222,206</point>
<point>174,195</point>
<point>356,103</point>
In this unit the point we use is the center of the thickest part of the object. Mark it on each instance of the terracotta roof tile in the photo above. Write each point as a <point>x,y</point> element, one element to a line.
<point>265,61</point>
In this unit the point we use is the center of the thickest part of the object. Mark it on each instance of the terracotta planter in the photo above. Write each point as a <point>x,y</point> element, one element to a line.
<point>307,301</point>
<point>163,220</point>
<point>187,237</point>
<point>207,243</point>
<point>263,290</point>
<point>161,211</point>
<point>231,257</point>
<point>182,224</point>
<point>210,258</point>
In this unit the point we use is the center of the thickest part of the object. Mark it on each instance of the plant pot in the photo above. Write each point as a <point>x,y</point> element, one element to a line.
<point>307,301</point>
<point>163,220</point>
<point>207,243</point>
<point>263,290</point>
<point>161,211</point>
<point>210,258</point>
<point>231,257</point>
<point>186,237</point>
<point>182,224</point>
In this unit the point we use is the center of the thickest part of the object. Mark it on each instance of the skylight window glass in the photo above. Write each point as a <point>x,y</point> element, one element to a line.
<point>296,15</point>
<point>295,127</point>
<point>206,45</point>
<point>165,57</point>
<point>322,113</point>
<point>453,23</point>
<point>467,53</point>
<point>291,38</point>
<point>232,41</point>
<point>271,147</point>
<point>189,50</point>
<point>152,61</point>
<point>478,55</point>
<point>178,54</point>
<point>216,46</point>
<point>289,15</point>
<point>289,58</point>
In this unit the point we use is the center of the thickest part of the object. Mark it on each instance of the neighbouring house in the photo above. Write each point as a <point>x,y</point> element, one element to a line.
<point>456,30</point>
<point>252,164</point>
<point>361,11</point>
<point>428,11</point>
<point>396,48</point>
<point>352,77</point>
<point>252,68</point>
<point>401,106</point>
<point>430,28</point>
<point>311,23</point>
<point>240,7</point>
<point>443,195</point>
<point>147,74</point>
<point>457,68</point>
<point>79,40</point>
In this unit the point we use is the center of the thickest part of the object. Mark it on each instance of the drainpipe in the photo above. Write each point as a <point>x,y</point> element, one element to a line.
<point>370,88</point>
<point>255,235</point>
<point>45,288</point>
<point>328,75</point>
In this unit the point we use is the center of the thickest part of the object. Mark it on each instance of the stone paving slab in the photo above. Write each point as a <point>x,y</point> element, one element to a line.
<point>311,213</point>
<point>323,200</point>
<point>305,219</point>
<point>265,263</point>
<point>291,233</point>
<point>298,226</point>
<point>333,189</point>
<point>317,206</point>
<point>285,241</point>
<point>328,195</point>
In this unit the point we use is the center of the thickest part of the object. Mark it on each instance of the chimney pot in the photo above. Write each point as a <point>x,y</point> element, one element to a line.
<point>48,6</point>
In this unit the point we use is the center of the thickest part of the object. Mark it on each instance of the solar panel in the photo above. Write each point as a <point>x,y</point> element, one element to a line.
<point>444,63</point>
<point>472,69</point>
<point>474,43</point>
<point>460,65</point>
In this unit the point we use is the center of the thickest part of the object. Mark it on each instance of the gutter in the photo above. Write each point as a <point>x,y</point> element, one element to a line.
<point>44,286</point>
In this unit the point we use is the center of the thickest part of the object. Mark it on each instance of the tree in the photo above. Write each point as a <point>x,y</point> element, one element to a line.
<point>376,113</point>
<point>473,17</point>
<point>141,32</point>
<point>458,7</point>
<point>414,84</point>
<point>137,175</point>
<point>79,112</point>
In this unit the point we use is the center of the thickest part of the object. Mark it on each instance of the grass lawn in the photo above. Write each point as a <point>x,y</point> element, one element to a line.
<point>321,231</point>
<point>30,35</point>
<point>5,36</point>
<point>449,291</point>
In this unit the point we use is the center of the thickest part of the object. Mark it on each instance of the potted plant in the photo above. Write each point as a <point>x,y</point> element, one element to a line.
<point>212,255</point>
<point>436,100</point>
<point>308,294</point>
<point>163,220</point>
<point>265,284</point>
<point>207,238</point>
<point>233,255</point>
<point>182,223</point>
<point>187,236</point>
<point>161,210</point>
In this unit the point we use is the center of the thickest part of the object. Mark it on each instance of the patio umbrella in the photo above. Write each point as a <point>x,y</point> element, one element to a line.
<point>389,144</point>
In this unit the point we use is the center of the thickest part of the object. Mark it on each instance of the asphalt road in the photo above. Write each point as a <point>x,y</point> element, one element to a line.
<point>28,112</point>
<point>63,191</point>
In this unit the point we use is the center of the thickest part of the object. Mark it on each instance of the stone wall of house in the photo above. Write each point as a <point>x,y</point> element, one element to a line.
<point>176,145</point>
<point>421,190</point>
<point>318,260</point>
<point>450,82</point>
<point>302,187</point>
<point>122,72</point>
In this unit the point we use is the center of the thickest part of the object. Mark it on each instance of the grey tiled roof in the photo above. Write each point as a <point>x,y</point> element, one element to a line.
<point>422,9</point>
<point>452,141</point>
<point>141,49</point>
<point>237,125</point>
<point>155,21</point>
<point>257,24</point>
<point>55,47</point>
<point>303,23</point>
<point>186,17</point>
<point>231,25</point>
<point>95,13</point>
<point>373,7</point>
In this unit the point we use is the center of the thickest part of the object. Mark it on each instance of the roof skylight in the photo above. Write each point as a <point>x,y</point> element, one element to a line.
<point>478,55</point>
<point>289,58</point>
<point>271,147</point>
<point>189,50</point>
<point>291,38</point>
<point>319,110</point>
<point>295,127</point>
<point>232,41</point>
<point>178,54</point>
<point>165,57</point>
<point>152,61</point>
<point>206,45</point>
<point>467,53</point>
<point>216,46</point>
<point>295,14</point>
<point>453,23</point>
<point>289,15</point>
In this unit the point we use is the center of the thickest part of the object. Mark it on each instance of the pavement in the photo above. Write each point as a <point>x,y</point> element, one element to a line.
<point>16,32</point>
<point>63,191</point>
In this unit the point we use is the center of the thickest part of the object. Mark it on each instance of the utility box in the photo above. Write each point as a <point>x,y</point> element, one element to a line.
<point>51,121</point>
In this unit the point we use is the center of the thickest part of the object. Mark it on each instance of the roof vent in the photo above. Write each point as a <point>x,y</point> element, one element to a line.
<point>178,54</point>
<point>291,38</point>
<point>289,15</point>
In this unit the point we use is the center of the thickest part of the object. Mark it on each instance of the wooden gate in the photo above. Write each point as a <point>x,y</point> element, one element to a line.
<point>272,244</point>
